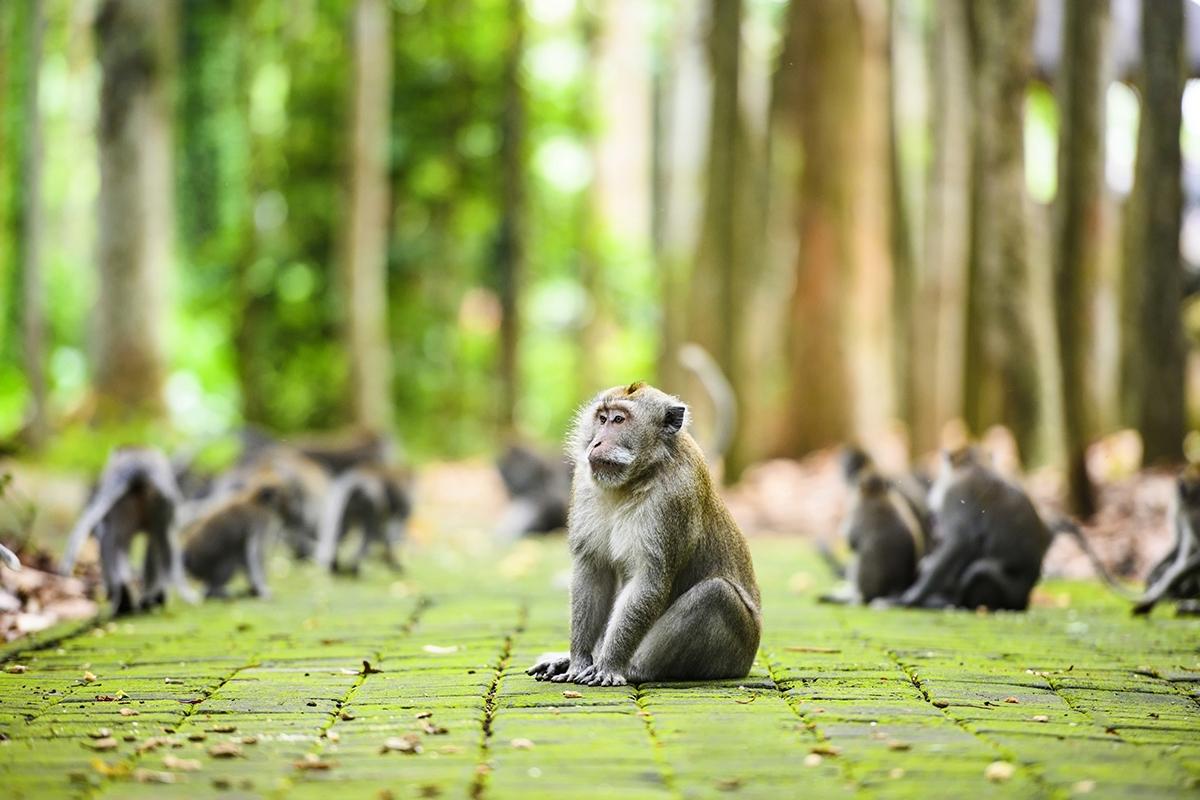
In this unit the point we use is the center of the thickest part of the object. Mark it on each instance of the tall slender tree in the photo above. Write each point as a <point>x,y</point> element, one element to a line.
<point>364,264</point>
<point>135,40</point>
<point>940,322</point>
<point>1002,377</point>
<point>510,240</point>
<point>1079,207</point>
<point>1152,348</point>
<point>832,96</point>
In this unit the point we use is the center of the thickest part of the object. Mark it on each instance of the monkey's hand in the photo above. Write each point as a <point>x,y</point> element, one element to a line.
<point>550,668</point>
<point>597,675</point>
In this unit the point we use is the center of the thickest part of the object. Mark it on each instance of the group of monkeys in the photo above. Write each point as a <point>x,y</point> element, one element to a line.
<point>971,538</point>
<point>313,496</point>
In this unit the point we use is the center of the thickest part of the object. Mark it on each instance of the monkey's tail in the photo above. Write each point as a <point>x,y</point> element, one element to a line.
<point>9,558</point>
<point>1064,525</point>
<point>331,516</point>
<point>831,560</point>
<point>696,360</point>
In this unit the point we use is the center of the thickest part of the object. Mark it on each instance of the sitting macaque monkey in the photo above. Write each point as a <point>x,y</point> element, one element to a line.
<point>1177,575</point>
<point>235,536</point>
<point>136,494</point>
<point>887,538</point>
<point>992,540</point>
<point>539,490</point>
<point>372,500</point>
<point>662,584</point>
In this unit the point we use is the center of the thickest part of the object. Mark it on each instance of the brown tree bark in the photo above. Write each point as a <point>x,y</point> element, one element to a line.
<point>940,323</point>
<point>1152,347</point>
<point>1001,373</point>
<point>832,96</point>
<point>135,210</point>
<point>1079,207</point>
<point>510,245</point>
<point>364,265</point>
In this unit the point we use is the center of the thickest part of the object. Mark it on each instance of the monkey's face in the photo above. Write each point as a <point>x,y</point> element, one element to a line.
<point>627,430</point>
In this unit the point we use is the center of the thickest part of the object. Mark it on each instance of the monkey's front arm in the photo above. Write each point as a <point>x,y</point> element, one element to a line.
<point>641,602</point>
<point>938,572</point>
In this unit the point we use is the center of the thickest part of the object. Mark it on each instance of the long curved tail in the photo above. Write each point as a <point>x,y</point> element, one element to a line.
<point>9,559</point>
<point>697,360</point>
<point>332,513</point>
<point>1064,525</point>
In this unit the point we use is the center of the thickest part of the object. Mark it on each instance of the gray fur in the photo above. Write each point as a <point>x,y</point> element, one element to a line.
<point>663,587</point>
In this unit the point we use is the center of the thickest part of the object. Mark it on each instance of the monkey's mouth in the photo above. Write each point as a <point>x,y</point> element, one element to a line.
<point>606,469</point>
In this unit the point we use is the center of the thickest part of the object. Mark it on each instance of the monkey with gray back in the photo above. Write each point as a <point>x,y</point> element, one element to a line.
<point>235,536</point>
<point>992,540</point>
<point>1177,575</point>
<point>662,584</point>
<point>371,500</point>
<point>136,494</point>
<point>539,490</point>
<point>886,536</point>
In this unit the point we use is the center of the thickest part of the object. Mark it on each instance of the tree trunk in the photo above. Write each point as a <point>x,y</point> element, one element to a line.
<point>833,94</point>
<point>1153,349</point>
<point>716,297</point>
<point>1083,84</point>
<point>940,325</point>
<point>1002,377</point>
<point>33,323</point>
<point>364,265</point>
<point>135,217</point>
<point>510,245</point>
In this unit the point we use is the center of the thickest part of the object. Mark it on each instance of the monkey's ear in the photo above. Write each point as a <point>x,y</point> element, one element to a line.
<point>673,422</point>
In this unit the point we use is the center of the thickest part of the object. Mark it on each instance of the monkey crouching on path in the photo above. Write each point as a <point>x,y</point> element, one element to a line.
<point>539,490</point>
<point>136,494</point>
<point>886,536</point>
<point>991,540</point>
<point>235,536</point>
<point>662,584</point>
<point>1177,575</point>
<point>375,501</point>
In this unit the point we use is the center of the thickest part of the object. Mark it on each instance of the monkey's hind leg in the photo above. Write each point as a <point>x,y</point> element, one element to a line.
<point>985,583</point>
<point>114,565</point>
<point>708,633</point>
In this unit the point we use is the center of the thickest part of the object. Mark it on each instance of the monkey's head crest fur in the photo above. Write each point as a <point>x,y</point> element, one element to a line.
<point>626,432</point>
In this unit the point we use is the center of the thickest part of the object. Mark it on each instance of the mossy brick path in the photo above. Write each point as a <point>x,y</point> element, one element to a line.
<point>902,703</point>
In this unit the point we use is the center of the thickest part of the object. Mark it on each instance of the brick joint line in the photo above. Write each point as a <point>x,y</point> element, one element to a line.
<point>656,744</point>
<point>479,783</point>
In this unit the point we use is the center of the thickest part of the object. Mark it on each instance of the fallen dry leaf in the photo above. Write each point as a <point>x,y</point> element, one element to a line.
<point>522,744</point>
<point>173,681</point>
<point>439,650</point>
<point>999,771</point>
<point>346,715</point>
<point>409,743</point>
<point>224,727</point>
<point>895,744</point>
<point>100,733</point>
<point>896,773</point>
<point>252,740</point>
<point>570,695</point>
<point>128,712</point>
<point>333,736</point>
<point>142,775</point>
<point>729,784</point>
<point>432,730</point>
<point>181,764</point>
<point>807,649</point>
<point>225,750</point>
<point>1083,787</point>
<point>152,744</point>
<point>423,714</point>
<point>941,703</point>
<point>1040,718</point>
<point>746,700</point>
<point>1011,700</point>
<point>89,677</point>
<point>812,760</point>
<point>16,669</point>
<point>312,761</point>
<point>118,770</point>
<point>107,743</point>
<point>197,736</point>
<point>826,749</point>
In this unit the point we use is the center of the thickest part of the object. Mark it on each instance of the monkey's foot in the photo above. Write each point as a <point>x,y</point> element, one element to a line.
<point>548,668</point>
<point>1187,608</point>
<point>598,676</point>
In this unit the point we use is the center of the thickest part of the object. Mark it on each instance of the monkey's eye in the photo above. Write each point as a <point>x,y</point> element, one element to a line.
<point>618,419</point>
<point>602,417</point>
